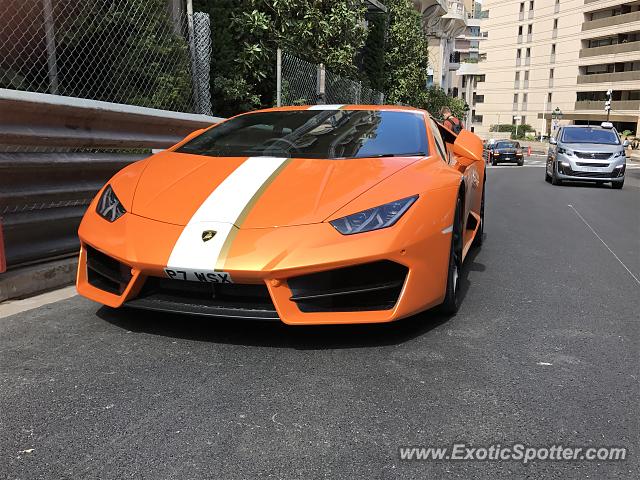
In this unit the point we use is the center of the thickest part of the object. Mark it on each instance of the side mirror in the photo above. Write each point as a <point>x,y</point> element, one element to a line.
<point>468,148</point>
<point>553,141</point>
<point>625,144</point>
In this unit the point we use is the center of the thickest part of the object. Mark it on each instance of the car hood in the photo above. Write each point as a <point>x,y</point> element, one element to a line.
<point>592,147</point>
<point>268,192</point>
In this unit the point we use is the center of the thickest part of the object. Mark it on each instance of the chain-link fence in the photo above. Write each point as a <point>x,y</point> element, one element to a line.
<point>135,52</point>
<point>304,83</point>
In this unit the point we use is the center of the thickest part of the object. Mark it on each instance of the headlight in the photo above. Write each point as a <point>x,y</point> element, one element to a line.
<point>375,218</point>
<point>619,154</point>
<point>565,151</point>
<point>109,207</point>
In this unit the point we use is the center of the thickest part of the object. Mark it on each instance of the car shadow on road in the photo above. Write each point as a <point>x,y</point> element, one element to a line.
<point>280,335</point>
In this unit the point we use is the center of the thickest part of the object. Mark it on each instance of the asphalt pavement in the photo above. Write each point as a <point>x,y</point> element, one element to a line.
<point>544,351</point>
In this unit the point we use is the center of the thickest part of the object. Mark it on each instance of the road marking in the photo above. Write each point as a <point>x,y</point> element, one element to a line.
<point>604,243</point>
<point>11,307</point>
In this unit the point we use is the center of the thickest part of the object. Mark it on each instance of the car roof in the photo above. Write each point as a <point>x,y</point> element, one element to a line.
<point>344,107</point>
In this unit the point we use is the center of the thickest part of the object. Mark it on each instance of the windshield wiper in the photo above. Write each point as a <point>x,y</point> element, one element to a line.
<point>381,155</point>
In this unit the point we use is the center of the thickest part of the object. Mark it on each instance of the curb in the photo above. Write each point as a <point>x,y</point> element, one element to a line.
<point>27,281</point>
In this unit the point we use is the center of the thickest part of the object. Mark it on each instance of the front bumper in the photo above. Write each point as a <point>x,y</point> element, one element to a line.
<point>289,273</point>
<point>572,168</point>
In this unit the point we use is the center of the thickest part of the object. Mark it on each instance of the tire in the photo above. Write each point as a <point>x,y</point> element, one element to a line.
<point>451,302</point>
<point>555,180</point>
<point>617,185</point>
<point>479,238</point>
<point>547,177</point>
<point>521,163</point>
<point>494,162</point>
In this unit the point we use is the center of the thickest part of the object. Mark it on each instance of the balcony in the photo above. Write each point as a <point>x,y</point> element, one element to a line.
<point>518,62</point>
<point>526,84</point>
<point>455,18</point>
<point>529,37</point>
<point>552,58</point>
<point>516,84</point>
<point>551,83</point>
<point>610,77</point>
<point>530,14</point>
<point>527,61</point>
<point>611,21</point>
<point>610,49</point>
<point>633,105</point>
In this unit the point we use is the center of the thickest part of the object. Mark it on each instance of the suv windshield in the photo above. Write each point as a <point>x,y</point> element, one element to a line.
<point>326,134</point>
<point>590,135</point>
<point>507,145</point>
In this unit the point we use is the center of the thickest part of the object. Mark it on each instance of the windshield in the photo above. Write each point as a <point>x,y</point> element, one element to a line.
<point>326,134</point>
<point>507,145</point>
<point>590,135</point>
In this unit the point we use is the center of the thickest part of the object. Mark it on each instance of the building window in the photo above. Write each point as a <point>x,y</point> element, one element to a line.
<point>522,7</point>
<point>519,53</point>
<point>523,120</point>
<point>528,53</point>
<point>530,29</point>
<point>525,98</point>
<point>526,75</point>
<point>517,76</point>
<point>555,23</point>
<point>551,72</point>
<point>515,98</point>
<point>549,97</point>
<point>553,49</point>
<point>531,5</point>
<point>520,30</point>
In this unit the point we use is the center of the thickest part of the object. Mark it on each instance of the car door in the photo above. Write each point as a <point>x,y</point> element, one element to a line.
<point>473,174</point>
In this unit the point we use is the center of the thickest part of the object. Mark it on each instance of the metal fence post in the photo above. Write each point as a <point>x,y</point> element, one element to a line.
<point>194,59</point>
<point>320,85</point>
<point>49,31</point>
<point>279,78</point>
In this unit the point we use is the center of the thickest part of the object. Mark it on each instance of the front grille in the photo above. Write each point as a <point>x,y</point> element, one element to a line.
<point>605,165</point>
<point>367,287</point>
<point>574,173</point>
<point>232,300</point>
<point>106,273</point>
<point>593,155</point>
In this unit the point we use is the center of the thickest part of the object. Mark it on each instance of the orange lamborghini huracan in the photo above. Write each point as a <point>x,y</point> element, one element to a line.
<point>311,215</point>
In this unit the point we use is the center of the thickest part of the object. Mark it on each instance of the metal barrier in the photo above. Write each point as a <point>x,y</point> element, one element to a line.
<point>43,195</point>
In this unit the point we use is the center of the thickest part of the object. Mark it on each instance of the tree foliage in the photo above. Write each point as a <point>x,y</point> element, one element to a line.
<point>390,54</point>
<point>331,32</point>
<point>406,56</point>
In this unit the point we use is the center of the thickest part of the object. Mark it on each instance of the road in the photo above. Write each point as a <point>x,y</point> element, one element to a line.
<point>543,351</point>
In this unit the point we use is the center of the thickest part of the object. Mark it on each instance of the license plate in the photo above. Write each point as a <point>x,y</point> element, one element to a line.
<point>204,276</point>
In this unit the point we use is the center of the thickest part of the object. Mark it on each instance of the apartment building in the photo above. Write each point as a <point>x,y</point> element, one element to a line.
<point>553,61</point>
<point>453,30</point>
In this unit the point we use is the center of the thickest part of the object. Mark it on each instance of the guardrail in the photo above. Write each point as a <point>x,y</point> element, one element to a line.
<point>43,195</point>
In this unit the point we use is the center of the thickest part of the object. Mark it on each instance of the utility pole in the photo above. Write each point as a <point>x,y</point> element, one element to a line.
<point>607,104</point>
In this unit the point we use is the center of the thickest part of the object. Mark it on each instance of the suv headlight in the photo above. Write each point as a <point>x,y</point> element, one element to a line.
<point>619,154</point>
<point>565,151</point>
<point>109,207</point>
<point>375,218</point>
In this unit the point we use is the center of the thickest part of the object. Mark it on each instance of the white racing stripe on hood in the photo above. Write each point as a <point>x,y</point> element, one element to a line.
<point>326,107</point>
<point>218,213</point>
